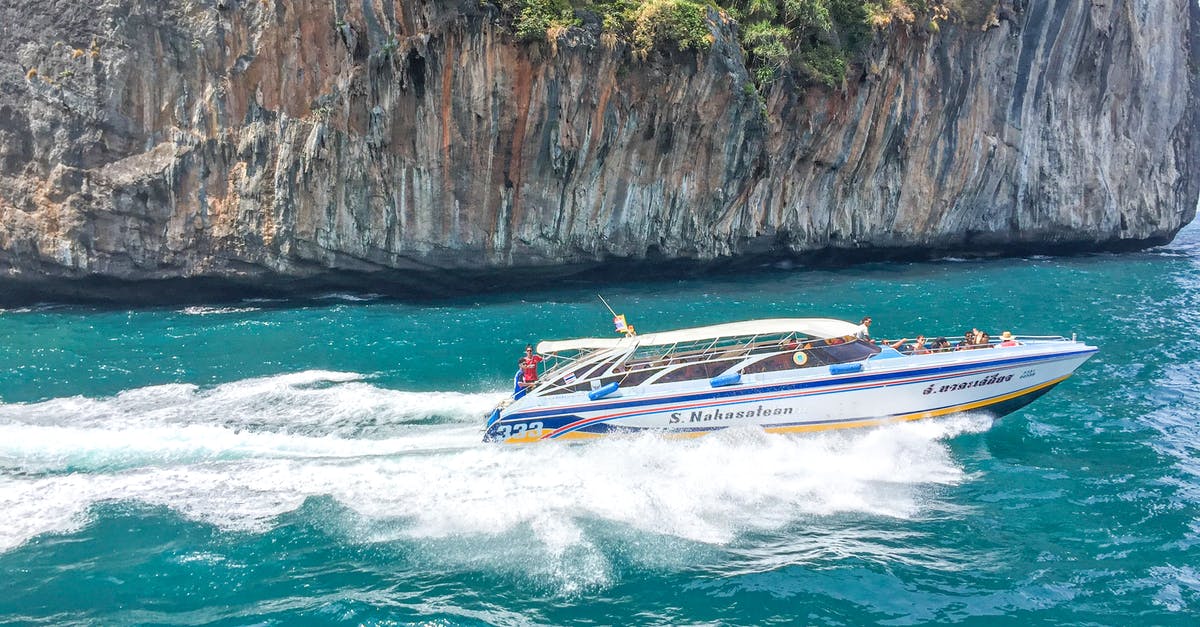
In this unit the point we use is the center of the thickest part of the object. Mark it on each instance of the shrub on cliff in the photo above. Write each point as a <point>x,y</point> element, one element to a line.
<point>683,23</point>
<point>811,40</point>
<point>533,19</point>
<point>885,12</point>
<point>767,44</point>
<point>825,63</point>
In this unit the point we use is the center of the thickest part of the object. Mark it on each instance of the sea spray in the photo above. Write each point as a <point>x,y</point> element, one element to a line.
<point>311,402</point>
<point>437,480</point>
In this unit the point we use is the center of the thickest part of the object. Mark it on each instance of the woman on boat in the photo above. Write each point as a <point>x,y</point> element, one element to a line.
<point>528,366</point>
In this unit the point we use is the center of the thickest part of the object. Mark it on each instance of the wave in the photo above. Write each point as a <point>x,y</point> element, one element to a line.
<point>313,403</point>
<point>210,311</point>
<point>36,308</point>
<point>33,450</point>
<point>350,298</point>
<point>240,455</point>
<point>408,467</point>
<point>312,414</point>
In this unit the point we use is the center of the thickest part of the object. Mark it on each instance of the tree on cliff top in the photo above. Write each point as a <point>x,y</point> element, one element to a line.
<point>813,40</point>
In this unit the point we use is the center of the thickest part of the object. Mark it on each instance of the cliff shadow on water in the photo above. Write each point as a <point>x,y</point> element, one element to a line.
<point>449,287</point>
<point>162,152</point>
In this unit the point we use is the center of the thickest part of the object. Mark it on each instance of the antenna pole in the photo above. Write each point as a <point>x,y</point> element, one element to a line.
<point>610,309</point>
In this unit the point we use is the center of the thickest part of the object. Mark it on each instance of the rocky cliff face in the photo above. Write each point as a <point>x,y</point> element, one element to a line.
<point>414,145</point>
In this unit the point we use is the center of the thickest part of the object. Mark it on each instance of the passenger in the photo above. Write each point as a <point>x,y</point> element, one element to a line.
<point>863,332</point>
<point>528,366</point>
<point>1007,339</point>
<point>983,340</point>
<point>918,347</point>
<point>941,345</point>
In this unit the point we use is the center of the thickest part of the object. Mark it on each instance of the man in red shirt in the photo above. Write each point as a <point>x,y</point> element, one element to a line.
<point>528,365</point>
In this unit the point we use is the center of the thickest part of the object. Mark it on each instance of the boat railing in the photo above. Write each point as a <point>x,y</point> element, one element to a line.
<point>560,365</point>
<point>656,358</point>
<point>991,343</point>
<point>712,350</point>
<point>663,360</point>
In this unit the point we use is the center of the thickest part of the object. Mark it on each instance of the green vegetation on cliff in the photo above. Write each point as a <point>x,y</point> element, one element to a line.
<point>814,40</point>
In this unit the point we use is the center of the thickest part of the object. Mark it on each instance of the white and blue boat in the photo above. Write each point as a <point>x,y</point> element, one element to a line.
<point>783,375</point>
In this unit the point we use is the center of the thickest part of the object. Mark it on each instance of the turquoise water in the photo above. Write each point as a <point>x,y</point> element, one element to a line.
<point>318,462</point>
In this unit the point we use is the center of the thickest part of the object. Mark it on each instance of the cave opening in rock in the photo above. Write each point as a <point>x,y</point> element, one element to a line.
<point>416,72</point>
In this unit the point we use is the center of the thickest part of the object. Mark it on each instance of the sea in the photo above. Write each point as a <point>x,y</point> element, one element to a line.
<point>318,461</point>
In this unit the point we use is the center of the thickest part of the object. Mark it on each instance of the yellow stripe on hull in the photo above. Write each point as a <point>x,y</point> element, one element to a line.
<point>875,422</point>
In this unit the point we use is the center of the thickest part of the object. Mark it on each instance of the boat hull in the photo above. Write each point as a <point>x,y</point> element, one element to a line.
<point>886,391</point>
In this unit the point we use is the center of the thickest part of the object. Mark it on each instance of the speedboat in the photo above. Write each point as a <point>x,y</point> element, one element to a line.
<point>783,375</point>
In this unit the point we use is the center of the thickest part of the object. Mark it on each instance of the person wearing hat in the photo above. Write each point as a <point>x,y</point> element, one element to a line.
<point>1007,339</point>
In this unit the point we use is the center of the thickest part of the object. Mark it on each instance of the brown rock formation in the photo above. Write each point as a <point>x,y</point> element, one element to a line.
<point>415,146</point>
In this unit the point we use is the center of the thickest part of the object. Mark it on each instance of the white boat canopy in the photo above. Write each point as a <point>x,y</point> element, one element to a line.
<point>817,328</point>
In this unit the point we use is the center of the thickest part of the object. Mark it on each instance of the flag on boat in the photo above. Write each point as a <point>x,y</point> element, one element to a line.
<point>619,323</point>
<point>570,378</point>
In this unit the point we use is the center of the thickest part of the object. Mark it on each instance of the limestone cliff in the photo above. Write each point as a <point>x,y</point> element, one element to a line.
<point>415,146</point>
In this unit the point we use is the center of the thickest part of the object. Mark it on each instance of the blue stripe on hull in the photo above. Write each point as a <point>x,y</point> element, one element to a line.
<point>940,372</point>
<point>550,423</point>
<point>999,409</point>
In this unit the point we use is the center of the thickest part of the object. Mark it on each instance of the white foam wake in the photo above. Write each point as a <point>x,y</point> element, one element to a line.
<point>314,402</point>
<point>40,450</point>
<point>313,414</point>
<point>534,510</point>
